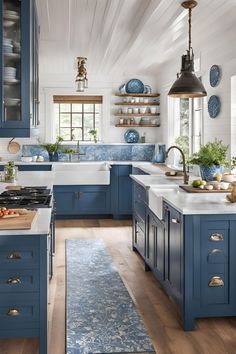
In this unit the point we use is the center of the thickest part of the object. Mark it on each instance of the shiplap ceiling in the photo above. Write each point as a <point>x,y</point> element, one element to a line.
<point>120,36</point>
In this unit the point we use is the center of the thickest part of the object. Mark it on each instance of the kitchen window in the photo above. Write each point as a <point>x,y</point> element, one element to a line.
<point>75,116</point>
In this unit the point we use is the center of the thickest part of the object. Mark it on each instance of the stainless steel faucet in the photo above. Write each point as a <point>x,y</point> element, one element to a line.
<point>78,150</point>
<point>186,177</point>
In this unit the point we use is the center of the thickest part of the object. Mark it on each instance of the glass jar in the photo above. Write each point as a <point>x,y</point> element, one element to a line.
<point>10,172</point>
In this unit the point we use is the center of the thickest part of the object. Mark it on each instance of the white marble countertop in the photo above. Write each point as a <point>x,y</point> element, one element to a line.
<point>40,226</point>
<point>186,203</point>
<point>31,178</point>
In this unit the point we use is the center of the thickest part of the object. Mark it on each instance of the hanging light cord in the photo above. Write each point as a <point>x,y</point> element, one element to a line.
<point>190,29</point>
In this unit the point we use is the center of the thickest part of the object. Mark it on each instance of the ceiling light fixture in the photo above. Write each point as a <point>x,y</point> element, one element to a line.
<point>81,78</point>
<point>187,84</point>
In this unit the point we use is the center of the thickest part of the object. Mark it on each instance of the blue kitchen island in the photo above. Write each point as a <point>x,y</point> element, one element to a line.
<point>189,242</point>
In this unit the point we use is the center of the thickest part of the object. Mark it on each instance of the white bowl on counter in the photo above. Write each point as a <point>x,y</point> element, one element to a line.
<point>26,158</point>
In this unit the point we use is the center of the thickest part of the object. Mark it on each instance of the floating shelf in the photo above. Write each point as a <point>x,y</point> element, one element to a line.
<point>137,125</point>
<point>137,104</point>
<point>137,94</point>
<point>136,114</point>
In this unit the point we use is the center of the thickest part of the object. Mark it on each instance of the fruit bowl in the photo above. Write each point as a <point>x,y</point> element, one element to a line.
<point>229,178</point>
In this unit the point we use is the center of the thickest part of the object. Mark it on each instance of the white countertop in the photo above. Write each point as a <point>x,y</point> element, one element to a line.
<point>31,178</point>
<point>186,203</point>
<point>41,225</point>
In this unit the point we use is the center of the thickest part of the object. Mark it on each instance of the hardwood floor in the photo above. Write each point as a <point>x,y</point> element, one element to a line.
<point>161,319</point>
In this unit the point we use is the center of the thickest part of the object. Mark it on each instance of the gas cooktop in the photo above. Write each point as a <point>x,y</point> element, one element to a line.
<point>30,197</point>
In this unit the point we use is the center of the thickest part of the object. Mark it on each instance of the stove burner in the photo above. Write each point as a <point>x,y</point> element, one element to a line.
<point>28,191</point>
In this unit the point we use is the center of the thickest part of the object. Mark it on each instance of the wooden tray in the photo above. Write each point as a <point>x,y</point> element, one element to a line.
<point>191,189</point>
<point>22,222</point>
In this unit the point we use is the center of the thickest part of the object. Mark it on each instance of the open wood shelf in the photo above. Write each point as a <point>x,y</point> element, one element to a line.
<point>137,94</point>
<point>137,104</point>
<point>136,114</point>
<point>137,125</point>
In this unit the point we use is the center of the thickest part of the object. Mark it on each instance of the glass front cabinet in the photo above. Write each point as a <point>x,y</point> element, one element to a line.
<point>19,82</point>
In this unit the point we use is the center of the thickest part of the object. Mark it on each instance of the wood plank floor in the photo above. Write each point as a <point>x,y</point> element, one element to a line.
<point>161,319</point>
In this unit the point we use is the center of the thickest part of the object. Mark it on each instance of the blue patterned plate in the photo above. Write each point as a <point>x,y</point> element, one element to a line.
<point>131,136</point>
<point>215,74</point>
<point>134,86</point>
<point>214,106</point>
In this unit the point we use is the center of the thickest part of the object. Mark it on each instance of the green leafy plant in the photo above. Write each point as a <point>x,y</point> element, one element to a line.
<point>51,148</point>
<point>94,134</point>
<point>70,152</point>
<point>212,153</point>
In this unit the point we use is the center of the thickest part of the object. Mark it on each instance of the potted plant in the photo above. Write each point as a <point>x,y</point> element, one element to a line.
<point>94,134</point>
<point>211,158</point>
<point>53,149</point>
<point>70,153</point>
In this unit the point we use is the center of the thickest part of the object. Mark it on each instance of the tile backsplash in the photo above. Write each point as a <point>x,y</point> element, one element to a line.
<point>99,152</point>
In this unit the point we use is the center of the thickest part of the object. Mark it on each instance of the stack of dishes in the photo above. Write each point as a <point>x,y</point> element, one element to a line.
<point>16,47</point>
<point>7,45</point>
<point>9,74</point>
<point>10,17</point>
<point>11,101</point>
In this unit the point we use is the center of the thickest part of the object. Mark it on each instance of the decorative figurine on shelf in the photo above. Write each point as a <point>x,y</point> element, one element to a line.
<point>232,197</point>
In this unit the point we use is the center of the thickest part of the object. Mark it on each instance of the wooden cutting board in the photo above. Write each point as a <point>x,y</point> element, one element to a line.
<point>22,222</point>
<point>191,189</point>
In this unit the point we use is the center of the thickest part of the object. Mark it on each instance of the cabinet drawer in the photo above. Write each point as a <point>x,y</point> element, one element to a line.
<point>19,280</point>
<point>139,193</point>
<point>19,252</point>
<point>19,310</point>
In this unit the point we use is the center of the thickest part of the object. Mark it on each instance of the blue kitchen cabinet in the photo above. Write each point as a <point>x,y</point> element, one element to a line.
<point>174,246</point>
<point>155,244</point>
<point>24,287</point>
<point>31,167</point>
<point>18,88</point>
<point>139,219</point>
<point>121,189</point>
<point>76,201</point>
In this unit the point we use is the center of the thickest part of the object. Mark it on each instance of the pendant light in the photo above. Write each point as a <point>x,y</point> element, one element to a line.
<point>187,84</point>
<point>81,78</point>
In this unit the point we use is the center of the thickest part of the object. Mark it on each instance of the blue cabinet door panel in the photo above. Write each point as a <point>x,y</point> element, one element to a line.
<point>19,280</point>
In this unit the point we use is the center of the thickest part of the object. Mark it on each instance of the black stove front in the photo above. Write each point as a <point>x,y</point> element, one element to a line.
<point>30,197</point>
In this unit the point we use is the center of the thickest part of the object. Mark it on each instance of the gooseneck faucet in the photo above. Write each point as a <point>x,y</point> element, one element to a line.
<point>186,177</point>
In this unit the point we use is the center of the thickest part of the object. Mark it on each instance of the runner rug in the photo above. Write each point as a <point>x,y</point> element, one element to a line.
<point>100,314</point>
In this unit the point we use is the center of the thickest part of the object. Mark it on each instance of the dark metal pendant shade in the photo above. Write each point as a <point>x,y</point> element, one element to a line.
<point>187,84</point>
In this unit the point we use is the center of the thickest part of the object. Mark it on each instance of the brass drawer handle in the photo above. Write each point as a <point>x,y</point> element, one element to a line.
<point>14,255</point>
<point>13,312</point>
<point>175,221</point>
<point>216,281</point>
<point>216,237</point>
<point>14,281</point>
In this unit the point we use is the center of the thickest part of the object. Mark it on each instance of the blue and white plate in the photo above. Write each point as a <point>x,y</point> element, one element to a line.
<point>134,86</point>
<point>215,75</point>
<point>214,106</point>
<point>131,136</point>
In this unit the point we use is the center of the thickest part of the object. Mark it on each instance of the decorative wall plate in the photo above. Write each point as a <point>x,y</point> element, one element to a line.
<point>215,75</point>
<point>134,86</point>
<point>214,106</point>
<point>131,136</point>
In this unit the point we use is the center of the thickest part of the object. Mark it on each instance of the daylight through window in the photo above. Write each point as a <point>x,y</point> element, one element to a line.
<point>76,115</point>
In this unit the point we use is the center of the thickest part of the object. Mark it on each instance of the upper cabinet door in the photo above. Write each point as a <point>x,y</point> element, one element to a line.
<point>17,51</point>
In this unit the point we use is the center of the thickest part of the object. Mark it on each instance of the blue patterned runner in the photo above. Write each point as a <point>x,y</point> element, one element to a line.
<point>101,316</point>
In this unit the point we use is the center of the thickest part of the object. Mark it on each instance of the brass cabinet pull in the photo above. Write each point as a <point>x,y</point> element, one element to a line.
<point>216,237</point>
<point>14,255</point>
<point>175,221</point>
<point>13,312</point>
<point>216,281</point>
<point>14,281</point>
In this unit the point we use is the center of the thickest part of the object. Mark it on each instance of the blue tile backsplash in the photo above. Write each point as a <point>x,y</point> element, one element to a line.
<point>99,152</point>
